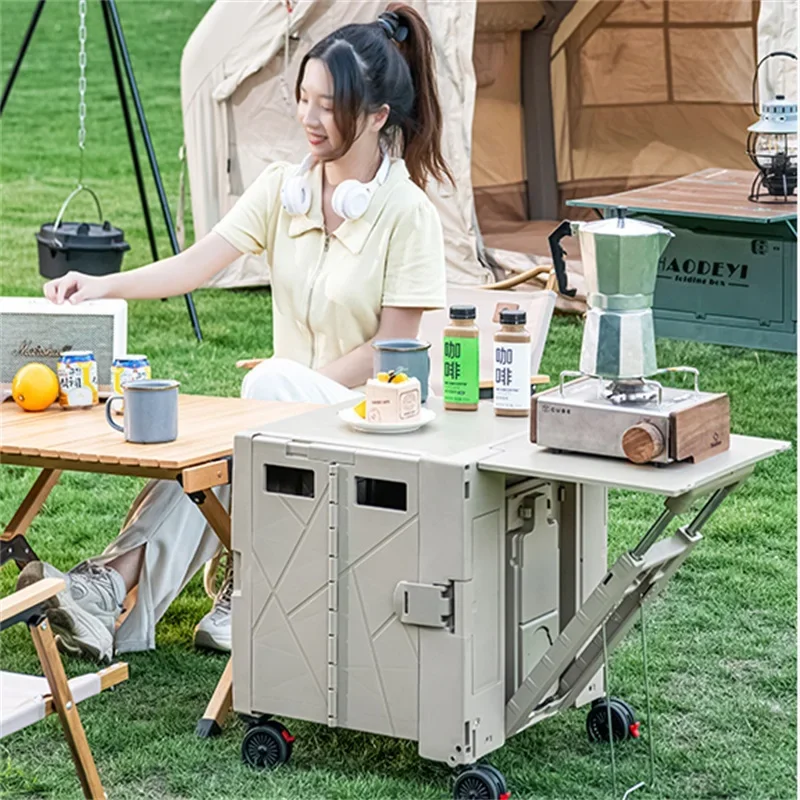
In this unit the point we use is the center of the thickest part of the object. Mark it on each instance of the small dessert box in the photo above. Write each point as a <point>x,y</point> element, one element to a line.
<point>393,397</point>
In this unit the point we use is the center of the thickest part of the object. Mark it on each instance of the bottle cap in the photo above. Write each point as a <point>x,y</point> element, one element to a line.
<point>462,312</point>
<point>512,317</point>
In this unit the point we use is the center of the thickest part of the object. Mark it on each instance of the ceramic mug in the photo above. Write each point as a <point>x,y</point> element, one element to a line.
<point>151,411</point>
<point>411,356</point>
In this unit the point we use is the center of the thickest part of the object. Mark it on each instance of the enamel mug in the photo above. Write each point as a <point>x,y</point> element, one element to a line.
<point>151,411</point>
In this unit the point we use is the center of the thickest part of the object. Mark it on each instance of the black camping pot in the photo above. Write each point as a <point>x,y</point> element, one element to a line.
<point>94,248</point>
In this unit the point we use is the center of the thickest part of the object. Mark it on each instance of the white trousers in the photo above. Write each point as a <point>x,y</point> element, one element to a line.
<point>177,539</point>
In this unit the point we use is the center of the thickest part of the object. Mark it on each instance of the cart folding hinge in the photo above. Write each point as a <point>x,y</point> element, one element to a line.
<point>333,596</point>
<point>327,454</point>
<point>429,605</point>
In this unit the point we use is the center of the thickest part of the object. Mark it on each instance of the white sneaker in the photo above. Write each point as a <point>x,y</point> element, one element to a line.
<point>83,615</point>
<point>214,630</point>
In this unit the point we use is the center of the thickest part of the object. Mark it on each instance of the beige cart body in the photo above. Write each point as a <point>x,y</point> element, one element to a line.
<point>447,586</point>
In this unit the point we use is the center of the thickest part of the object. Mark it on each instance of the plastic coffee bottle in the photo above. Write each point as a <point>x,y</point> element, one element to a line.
<point>461,360</point>
<point>512,366</point>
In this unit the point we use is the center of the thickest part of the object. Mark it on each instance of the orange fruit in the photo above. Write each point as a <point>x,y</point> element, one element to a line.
<point>35,387</point>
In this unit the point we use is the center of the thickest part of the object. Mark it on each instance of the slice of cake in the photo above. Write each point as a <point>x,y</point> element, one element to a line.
<point>393,397</point>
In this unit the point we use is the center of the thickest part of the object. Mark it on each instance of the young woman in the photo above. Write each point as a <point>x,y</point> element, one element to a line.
<point>356,253</point>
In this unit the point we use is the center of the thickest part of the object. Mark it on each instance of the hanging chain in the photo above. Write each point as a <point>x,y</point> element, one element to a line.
<point>82,84</point>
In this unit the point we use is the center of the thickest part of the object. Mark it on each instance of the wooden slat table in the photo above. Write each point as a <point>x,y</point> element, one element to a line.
<point>730,274</point>
<point>716,193</point>
<point>81,440</point>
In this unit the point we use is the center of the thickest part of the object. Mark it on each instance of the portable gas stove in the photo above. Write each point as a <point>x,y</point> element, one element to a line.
<point>615,408</point>
<point>640,420</point>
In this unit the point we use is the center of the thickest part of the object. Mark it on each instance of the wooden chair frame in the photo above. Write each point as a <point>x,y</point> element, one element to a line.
<point>27,606</point>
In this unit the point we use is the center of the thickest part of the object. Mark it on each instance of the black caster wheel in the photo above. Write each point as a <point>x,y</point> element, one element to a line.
<point>481,782</point>
<point>500,778</point>
<point>623,720</point>
<point>267,746</point>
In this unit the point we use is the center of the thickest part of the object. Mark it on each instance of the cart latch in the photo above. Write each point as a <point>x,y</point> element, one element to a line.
<point>429,605</point>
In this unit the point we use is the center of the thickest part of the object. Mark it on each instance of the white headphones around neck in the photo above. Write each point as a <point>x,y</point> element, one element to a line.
<point>350,198</point>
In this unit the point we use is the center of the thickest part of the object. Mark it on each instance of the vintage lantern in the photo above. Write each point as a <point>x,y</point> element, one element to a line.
<point>772,145</point>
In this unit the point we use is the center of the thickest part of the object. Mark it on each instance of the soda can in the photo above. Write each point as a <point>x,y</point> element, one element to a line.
<point>77,379</point>
<point>127,369</point>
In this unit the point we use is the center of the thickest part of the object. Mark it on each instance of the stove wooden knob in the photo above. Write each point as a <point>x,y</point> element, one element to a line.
<point>642,442</point>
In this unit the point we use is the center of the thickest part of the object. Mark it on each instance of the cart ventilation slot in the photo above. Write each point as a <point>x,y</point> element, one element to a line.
<point>289,480</point>
<point>378,493</point>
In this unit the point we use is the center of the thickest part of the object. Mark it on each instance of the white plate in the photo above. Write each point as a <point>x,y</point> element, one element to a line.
<point>354,421</point>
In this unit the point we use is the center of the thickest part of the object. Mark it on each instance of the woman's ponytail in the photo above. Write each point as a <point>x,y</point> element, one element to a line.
<point>422,127</point>
<point>388,62</point>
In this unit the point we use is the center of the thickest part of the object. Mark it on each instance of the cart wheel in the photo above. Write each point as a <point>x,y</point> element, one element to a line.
<point>623,720</point>
<point>501,780</point>
<point>481,782</point>
<point>267,746</point>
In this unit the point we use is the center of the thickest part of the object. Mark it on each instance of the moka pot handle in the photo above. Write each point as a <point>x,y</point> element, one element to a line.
<point>556,251</point>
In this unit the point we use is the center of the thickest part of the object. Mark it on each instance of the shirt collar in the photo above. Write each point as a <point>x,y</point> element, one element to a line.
<point>351,233</point>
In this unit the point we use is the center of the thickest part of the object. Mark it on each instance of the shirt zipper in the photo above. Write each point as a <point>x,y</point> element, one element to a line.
<point>317,270</point>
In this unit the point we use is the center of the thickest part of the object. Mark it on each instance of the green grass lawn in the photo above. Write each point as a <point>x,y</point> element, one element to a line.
<point>721,640</point>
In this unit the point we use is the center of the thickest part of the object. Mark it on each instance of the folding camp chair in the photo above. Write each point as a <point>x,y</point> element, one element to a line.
<point>25,699</point>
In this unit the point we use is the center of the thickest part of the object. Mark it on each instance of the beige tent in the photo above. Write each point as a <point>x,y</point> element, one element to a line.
<point>544,100</point>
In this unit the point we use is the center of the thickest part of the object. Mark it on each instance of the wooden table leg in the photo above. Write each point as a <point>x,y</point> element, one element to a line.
<point>216,515</point>
<point>67,710</point>
<point>12,541</point>
<point>222,699</point>
<point>220,704</point>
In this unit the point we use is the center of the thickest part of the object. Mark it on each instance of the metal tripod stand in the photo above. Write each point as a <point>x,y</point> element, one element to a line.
<point>116,39</point>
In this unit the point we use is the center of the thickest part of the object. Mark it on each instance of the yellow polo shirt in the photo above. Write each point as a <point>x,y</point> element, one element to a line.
<point>328,289</point>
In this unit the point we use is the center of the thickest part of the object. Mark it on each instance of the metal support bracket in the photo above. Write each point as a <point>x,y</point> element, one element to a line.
<point>30,616</point>
<point>636,577</point>
<point>198,498</point>
<point>17,549</point>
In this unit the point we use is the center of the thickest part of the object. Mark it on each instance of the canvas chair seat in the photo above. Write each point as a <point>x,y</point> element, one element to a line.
<point>24,699</point>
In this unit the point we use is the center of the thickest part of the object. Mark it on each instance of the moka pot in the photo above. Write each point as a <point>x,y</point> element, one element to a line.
<point>620,265</point>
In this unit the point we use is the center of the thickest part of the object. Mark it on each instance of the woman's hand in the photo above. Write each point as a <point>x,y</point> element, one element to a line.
<point>75,287</point>
<point>176,275</point>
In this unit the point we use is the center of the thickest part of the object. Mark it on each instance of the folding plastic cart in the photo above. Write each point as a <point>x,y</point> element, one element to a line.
<point>447,586</point>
